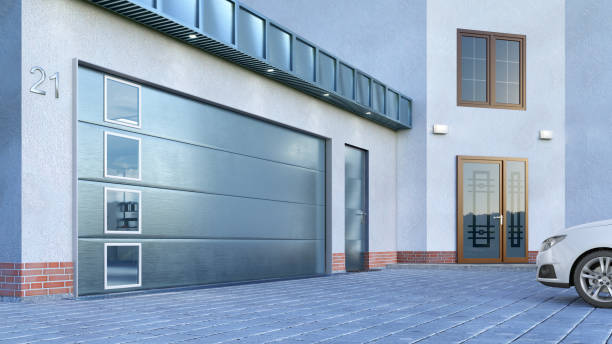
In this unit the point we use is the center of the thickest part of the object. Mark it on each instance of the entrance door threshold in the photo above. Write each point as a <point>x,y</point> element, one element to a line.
<point>495,267</point>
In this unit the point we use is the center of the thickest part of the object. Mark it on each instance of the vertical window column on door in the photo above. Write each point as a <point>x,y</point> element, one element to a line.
<point>122,206</point>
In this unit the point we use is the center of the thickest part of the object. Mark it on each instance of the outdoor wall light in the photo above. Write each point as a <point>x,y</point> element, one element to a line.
<point>368,113</point>
<point>546,134</point>
<point>192,36</point>
<point>440,129</point>
<point>270,70</point>
<point>325,94</point>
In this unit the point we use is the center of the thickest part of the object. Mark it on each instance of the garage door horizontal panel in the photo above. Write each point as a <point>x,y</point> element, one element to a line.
<point>172,263</point>
<point>171,116</point>
<point>170,164</point>
<point>180,214</point>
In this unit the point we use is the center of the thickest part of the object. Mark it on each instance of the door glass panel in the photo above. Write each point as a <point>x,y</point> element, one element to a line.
<point>515,209</point>
<point>355,212</point>
<point>481,204</point>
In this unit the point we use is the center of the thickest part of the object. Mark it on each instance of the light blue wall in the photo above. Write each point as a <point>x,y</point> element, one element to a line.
<point>588,116</point>
<point>10,131</point>
<point>497,132</point>
<point>388,41</point>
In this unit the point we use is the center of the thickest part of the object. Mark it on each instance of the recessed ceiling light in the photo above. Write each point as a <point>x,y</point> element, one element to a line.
<point>368,113</point>
<point>192,36</point>
<point>325,94</point>
<point>270,70</point>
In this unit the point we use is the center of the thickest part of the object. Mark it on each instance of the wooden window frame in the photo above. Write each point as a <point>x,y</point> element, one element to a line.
<point>491,37</point>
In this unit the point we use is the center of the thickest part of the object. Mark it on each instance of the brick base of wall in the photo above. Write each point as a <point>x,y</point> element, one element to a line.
<point>338,262</point>
<point>18,280</point>
<point>382,259</point>
<point>427,257</point>
<point>532,256</point>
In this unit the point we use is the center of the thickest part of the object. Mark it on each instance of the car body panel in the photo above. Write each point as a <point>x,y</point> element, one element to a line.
<point>579,240</point>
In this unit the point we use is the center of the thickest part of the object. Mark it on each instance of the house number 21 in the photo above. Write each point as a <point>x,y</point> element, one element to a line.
<point>43,77</point>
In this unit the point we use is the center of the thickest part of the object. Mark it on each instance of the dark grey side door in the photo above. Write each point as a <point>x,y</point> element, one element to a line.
<point>356,208</point>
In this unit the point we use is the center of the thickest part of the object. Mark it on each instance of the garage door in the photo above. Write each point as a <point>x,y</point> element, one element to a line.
<point>176,192</point>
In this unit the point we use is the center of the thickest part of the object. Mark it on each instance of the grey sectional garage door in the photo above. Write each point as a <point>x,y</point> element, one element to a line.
<point>175,192</point>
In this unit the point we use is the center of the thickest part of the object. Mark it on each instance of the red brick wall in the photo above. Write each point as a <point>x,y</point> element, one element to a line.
<point>532,256</point>
<point>427,257</point>
<point>380,259</point>
<point>338,262</point>
<point>36,279</point>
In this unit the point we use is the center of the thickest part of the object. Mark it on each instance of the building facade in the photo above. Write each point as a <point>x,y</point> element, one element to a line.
<point>162,143</point>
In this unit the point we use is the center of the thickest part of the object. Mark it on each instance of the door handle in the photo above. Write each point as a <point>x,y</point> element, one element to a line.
<point>360,213</point>
<point>501,219</point>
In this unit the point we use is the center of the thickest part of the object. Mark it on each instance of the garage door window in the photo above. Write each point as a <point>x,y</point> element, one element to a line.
<point>122,265</point>
<point>121,156</point>
<point>122,211</point>
<point>121,102</point>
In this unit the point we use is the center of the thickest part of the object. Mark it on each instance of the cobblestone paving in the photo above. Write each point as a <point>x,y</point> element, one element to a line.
<point>391,306</point>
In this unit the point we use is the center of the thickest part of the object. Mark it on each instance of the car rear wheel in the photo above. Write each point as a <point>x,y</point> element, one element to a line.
<point>593,278</point>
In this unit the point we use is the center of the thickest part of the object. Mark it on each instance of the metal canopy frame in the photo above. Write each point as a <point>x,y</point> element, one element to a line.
<point>155,18</point>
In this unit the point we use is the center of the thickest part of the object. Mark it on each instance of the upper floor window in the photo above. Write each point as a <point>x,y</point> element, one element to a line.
<point>490,69</point>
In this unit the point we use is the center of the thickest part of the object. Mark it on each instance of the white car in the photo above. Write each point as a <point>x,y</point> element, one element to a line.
<point>580,256</point>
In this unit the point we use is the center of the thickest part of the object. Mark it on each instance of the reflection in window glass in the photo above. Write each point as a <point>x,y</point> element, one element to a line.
<point>122,210</point>
<point>148,3</point>
<point>122,265</point>
<point>183,10</point>
<point>507,71</point>
<point>303,62</point>
<point>362,94</point>
<point>218,19</point>
<point>345,81</point>
<point>327,71</point>
<point>122,102</point>
<point>279,48</point>
<point>378,97</point>
<point>473,69</point>
<point>392,104</point>
<point>122,156</point>
<point>251,31</point>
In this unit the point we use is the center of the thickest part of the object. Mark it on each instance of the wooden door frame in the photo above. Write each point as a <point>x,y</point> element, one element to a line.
<point>502,235</point>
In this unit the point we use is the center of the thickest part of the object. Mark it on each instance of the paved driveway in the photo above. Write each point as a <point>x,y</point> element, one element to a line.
<point>391,306</point>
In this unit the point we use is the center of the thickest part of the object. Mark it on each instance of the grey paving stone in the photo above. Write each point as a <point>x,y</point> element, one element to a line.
<point>391,306</point>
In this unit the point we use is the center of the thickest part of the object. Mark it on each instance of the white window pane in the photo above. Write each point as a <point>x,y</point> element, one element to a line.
<point>279,48</point>
<point>122,210</point>
<point>303,61</point>
<point>480,48</point>
<point>513,93</point>
<point>480,70</point>
<point>513,72</point>
<point>122,266</point>
<point>467,46</point>
<point>251,30</point>
<point>122,157</point>
<point>122,102</point>
<point>218,19</point>
<point>501,92</point>
<point>513,51</point>
<point>480,91</point>
<point>467,90</point>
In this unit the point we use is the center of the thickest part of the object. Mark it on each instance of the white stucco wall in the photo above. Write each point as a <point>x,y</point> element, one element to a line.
<point>496,132</point>
<point>84,31</point>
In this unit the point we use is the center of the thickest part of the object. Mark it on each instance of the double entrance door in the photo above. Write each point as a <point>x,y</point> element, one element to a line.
<point>492,210</point>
